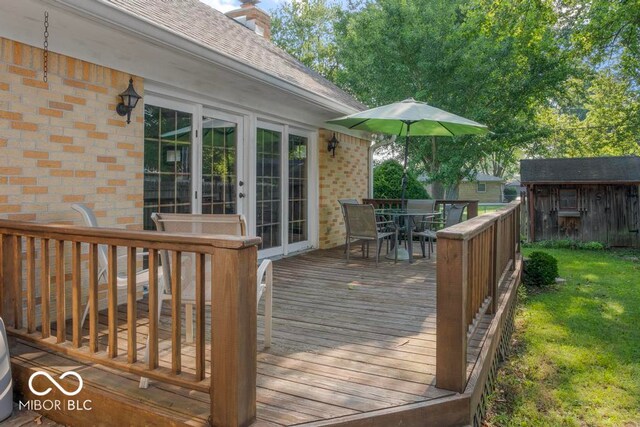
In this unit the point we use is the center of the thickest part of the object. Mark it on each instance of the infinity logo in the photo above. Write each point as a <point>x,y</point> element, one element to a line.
<point>55,383</point>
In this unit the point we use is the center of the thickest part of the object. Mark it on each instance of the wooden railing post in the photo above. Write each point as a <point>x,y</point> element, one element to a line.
<point>233,336</point>
<point>472,209</point>
<point>451,336</point>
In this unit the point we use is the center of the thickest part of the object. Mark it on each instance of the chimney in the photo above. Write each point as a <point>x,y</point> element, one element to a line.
<point>252,17</point>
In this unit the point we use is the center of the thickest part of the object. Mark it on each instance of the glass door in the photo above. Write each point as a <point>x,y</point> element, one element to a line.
<point>168,160</point>
<point>298,192</point>
<point>269,188</point>
<point>282,189</point>
<point>220,164</point>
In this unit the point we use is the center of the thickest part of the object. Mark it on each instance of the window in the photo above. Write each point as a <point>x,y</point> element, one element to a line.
<point>482,187</point>
<point>167,162</point>
<point>569,199</point>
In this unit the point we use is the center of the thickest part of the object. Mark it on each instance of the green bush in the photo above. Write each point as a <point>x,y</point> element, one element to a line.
<point>387,182</point>
<point>540,269</point>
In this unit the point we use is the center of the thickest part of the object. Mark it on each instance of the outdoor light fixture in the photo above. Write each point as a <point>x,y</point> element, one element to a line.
<point>129,99</point>
<point>333,144</point>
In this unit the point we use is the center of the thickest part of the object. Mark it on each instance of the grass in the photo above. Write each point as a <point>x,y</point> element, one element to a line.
<point>488,208</point>
<point>576,353</point>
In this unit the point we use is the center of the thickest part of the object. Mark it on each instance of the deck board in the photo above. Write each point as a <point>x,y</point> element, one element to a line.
<point>347,339</point>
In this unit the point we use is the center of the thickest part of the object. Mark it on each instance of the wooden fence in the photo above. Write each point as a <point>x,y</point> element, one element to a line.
<point>473,258</point>
<point>472,205</point>
<point>232,385</point>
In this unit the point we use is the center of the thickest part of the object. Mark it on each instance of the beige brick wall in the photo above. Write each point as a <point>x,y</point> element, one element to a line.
<point>344,176</point>
<point>469,191</point>
<point>61,142</point>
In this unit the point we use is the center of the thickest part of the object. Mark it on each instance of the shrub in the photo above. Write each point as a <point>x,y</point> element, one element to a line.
<point>387,182</point>
<point>540,269</point>
<point>566,244</point>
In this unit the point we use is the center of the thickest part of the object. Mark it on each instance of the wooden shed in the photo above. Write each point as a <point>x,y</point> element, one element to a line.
<point>584,199</point>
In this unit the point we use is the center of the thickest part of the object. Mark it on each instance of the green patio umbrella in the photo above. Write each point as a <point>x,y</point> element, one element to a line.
<point>410,118</point>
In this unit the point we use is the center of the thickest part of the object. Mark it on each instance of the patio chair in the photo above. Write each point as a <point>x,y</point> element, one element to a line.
<point>454,216</point>
<point>362,225</point>
<point>142,276</point>
<point>344,217</point>
<point>419,222</point>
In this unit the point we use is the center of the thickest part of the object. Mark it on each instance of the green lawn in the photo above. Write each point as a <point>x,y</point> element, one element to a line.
<point>576,354</point>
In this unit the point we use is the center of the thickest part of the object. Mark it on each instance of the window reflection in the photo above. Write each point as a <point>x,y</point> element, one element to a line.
<point>167,162</point>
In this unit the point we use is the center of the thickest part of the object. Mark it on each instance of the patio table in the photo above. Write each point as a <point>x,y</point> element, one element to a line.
<point>397,214</point>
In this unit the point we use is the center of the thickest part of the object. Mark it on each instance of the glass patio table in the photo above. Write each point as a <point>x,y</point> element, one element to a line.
<point>404,215</point>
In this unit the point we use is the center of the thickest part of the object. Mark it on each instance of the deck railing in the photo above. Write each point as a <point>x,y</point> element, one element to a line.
<point>27,247</point>
<point>473,258</point>
<point>472,205</point>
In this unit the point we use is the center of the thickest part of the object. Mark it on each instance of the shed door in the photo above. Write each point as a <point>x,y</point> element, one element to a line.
<point>623,216</point>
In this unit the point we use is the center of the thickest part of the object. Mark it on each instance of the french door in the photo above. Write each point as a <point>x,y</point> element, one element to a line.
<point>195,160</point>
<point>191,159</point>
<point>282,188</point>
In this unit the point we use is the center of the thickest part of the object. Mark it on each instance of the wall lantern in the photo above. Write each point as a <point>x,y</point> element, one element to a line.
<point>129,99</point>
<point>333,144</point>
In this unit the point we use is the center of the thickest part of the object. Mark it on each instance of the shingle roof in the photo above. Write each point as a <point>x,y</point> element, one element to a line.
<point>484,177</point>
<point>587,170</point>
<point>207,26</point>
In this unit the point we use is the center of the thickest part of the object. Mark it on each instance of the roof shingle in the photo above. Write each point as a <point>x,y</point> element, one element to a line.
<point>576,170</point>
<point>205,25</point>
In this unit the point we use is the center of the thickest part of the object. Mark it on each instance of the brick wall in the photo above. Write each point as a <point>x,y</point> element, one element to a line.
<point>344,176</point>
<point>61,142</point>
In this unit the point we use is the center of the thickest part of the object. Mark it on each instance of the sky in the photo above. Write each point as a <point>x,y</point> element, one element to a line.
<point>227,5</point>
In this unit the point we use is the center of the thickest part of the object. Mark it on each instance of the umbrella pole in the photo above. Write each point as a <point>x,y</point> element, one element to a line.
<point>404,169</point>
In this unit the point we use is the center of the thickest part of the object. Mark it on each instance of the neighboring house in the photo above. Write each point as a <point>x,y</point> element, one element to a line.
<point>483,187</point>
<point>228,122</point>
<point>585,199</point>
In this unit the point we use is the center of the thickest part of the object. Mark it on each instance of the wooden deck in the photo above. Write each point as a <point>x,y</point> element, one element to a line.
<point>348,339</point>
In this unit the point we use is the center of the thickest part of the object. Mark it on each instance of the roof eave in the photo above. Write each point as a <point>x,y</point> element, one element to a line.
<point>125,21</point>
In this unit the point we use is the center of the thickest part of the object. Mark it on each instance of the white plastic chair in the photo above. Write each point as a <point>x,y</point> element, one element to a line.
<point>142,276</point>
<point>206,224</point>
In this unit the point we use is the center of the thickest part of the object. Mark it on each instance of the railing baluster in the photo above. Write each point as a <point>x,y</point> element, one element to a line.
<point>132,348</point>
<point>112,299</point>
<point>93,298</point>
<point>61,315</point>
<point>236,311</point>
<point>200,315</point>
<point>17,284</point>
<point>31,285</point>
<point>45,288</point>
<point>76,293</point>
<point>153,308</point>
<point>176,305</point>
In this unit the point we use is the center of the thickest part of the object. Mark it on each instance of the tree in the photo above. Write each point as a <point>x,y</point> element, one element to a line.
<point>491,61</point>
<point>304,28</point>
<point>387,182</point>
<point>605,32</point>
<point>599,117</point>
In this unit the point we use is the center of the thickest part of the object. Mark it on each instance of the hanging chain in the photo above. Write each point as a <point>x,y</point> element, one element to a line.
<point>45,52</point>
